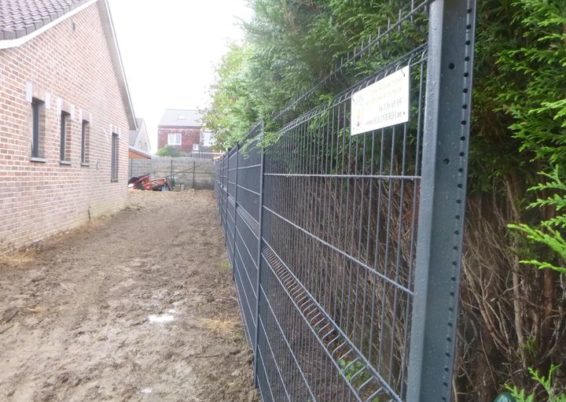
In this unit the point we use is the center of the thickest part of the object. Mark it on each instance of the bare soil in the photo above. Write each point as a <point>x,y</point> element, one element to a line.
<point>139,306</point>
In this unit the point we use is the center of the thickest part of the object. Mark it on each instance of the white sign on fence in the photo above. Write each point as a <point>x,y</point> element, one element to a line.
<point>382,104</point>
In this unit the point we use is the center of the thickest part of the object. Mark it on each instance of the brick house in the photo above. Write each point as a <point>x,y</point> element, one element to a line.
<point>180,128</point>
<point>65,115</point>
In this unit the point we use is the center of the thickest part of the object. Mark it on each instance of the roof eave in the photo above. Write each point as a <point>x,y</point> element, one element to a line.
<point>170,126</point>
<point>108,26</point>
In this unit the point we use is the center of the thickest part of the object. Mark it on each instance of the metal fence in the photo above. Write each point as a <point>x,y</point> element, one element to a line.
<point>186,172</point>
<point>346,248</point>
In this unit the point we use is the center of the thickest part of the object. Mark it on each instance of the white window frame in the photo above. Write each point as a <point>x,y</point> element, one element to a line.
<point>177,139</point>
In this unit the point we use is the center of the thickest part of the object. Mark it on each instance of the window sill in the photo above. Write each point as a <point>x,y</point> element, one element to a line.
<point>85,164</point>
<point>37,160</point>
<point>114,181</point>
<point>65,163</point>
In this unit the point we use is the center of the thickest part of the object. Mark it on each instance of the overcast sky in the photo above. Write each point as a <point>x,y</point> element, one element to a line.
<point>171,48</point>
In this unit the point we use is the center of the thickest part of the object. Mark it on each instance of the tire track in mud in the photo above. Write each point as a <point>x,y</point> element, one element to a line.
<point>138,306</point>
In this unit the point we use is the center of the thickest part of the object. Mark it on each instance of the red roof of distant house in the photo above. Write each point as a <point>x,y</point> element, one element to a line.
<point>139,152</point>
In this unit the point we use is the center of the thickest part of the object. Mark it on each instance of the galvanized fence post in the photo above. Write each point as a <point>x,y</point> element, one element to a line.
<point>260,240</point>
<point>442,199</point>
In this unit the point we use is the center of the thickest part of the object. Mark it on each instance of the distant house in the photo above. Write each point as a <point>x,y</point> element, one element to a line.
<point>139,147</point>
<point>180,128</point>
<point>65,116</point>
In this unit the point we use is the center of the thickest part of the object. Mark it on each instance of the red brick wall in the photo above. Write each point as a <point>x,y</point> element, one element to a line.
<point>70,62</point>
<point>189,136</point>
<point>136,155</point>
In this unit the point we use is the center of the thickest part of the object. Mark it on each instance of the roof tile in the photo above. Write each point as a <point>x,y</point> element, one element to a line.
<point>21,17</point>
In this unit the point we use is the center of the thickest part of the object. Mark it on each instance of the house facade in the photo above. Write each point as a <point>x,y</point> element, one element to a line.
<point>65,116</point>
<point>139,146</point>
<point>180,128</point>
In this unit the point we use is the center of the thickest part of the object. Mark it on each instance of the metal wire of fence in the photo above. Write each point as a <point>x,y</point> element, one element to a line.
<point>345,248</point>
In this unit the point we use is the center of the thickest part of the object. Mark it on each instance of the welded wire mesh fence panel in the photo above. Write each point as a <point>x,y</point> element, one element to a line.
<point>230,201</point>
<point>339,250</point>
<point>247,233</point>
<point>219,189</point>
<point>345,246</point>
<point>238,191</point>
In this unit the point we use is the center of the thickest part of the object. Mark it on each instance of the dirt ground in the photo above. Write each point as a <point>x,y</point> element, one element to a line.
<point>139,306</point>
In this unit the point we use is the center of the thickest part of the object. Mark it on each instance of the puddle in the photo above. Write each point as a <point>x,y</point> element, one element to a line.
<point>146,390</point>
<point>160,318</point>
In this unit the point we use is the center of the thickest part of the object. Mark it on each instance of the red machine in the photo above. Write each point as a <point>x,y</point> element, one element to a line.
<point>145,182</point>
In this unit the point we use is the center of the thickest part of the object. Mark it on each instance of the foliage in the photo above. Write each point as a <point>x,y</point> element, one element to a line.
<point>169,150</point>
<point>547,384</point>
<point>232,109</point>
<point>356,373</point>
<point>537,101</point>
<point>538,108</point>
<point>549,232</point>
<point>518,129</point>
<point>291,45</point>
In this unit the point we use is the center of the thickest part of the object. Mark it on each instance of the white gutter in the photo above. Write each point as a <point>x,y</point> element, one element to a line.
<point>10,43</point>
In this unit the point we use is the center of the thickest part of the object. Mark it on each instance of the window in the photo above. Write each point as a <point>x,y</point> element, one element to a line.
<point>85,134</point>
<point>207,139</point>
<point>115,158</point>
<point>38,128</point>
<point>174,139</point>
<point>65,140</point>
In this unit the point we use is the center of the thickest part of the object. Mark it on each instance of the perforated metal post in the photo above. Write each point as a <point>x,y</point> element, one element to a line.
<point>442,199</point>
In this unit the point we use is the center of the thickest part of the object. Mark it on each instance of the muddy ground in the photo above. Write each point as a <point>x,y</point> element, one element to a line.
<point>139,306</point>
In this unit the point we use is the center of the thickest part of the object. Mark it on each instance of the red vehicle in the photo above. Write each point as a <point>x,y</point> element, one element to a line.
<point>145,182</point>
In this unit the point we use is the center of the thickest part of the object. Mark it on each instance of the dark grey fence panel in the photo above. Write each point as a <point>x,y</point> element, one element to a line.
<point>346,248</point>
<point>238,190</point>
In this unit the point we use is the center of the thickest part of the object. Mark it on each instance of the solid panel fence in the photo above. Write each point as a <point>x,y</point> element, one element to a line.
<point>186,172</point>
<point>345,248</point>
